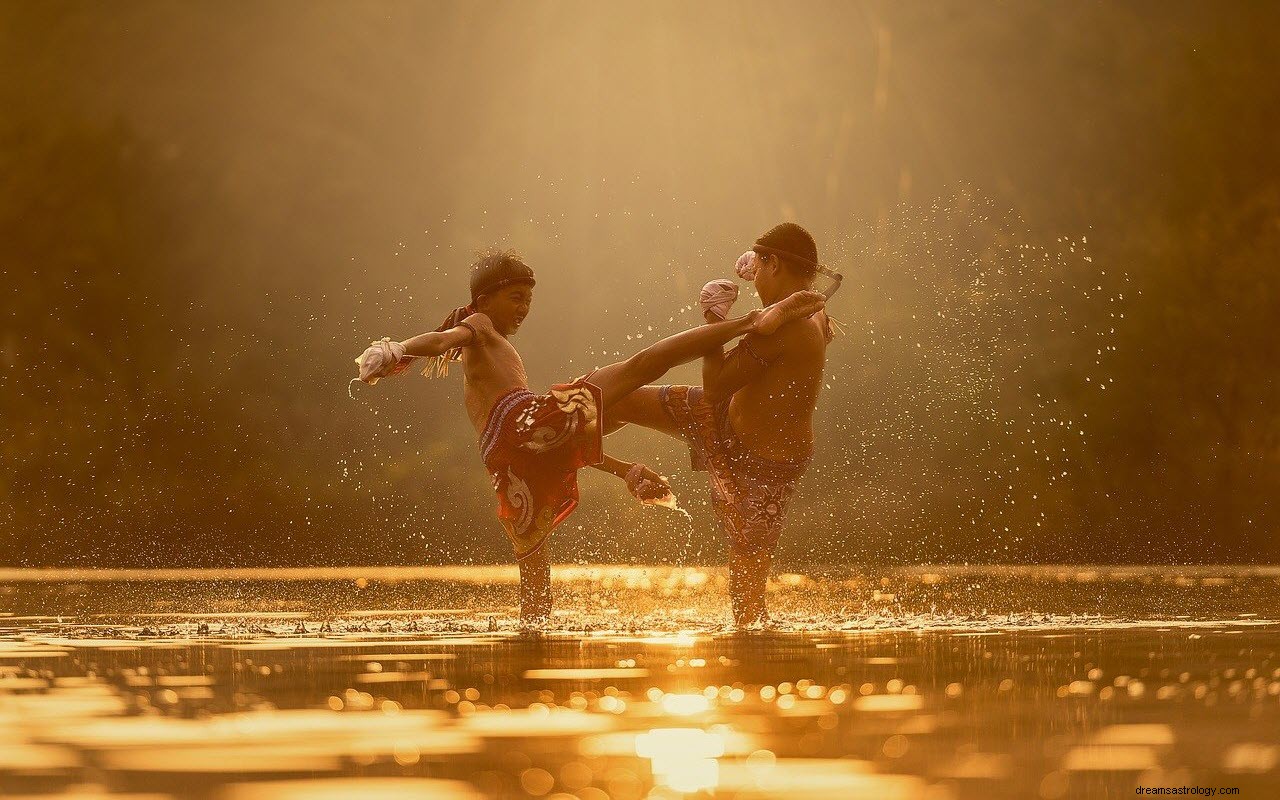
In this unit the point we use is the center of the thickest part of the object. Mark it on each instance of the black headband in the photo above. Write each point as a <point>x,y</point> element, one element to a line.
<point>498,284</point>
<point>773,251</point>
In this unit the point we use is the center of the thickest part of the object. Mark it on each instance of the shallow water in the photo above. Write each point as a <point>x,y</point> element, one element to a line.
<point>921,682</point>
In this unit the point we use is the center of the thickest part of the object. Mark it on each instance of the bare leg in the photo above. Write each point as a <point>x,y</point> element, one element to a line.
<point>624,377</point>
<point>620,379</point>
<point>642,407</point>
<point>748,576</point>
<point>535,589</point>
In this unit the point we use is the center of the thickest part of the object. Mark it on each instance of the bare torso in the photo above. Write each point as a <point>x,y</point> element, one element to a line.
<point>492,367</point>
<point>773,414</point>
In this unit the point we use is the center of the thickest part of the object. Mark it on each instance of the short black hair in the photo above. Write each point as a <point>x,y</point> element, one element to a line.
<point>495,268</point>
<point>794,246</point>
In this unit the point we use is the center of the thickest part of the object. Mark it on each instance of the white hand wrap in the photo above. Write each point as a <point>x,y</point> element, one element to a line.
<point>718,297</point>
<point>380,360</point>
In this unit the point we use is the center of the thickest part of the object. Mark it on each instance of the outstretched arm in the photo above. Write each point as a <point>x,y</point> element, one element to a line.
<point>384,358</point>
<point>439,342</point>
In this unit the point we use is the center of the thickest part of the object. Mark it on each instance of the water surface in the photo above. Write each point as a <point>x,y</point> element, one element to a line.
<point>922,682</point>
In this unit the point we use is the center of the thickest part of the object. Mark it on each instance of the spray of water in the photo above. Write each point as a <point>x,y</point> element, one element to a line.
<point>958,400</point>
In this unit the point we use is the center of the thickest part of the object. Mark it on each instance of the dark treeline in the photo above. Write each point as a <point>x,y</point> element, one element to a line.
<point>1061,224</point>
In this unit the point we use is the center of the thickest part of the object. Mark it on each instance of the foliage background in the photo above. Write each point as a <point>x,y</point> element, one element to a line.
<point>206,211</point>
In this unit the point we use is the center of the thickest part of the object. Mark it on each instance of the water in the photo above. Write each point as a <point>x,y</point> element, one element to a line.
<point>922,682</point>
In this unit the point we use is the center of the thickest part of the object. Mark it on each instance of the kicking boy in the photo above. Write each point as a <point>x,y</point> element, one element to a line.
<point>750,425</point>
<point>533,445</point>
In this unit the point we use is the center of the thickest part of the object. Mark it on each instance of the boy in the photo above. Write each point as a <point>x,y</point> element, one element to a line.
<point>533,445</point>
<point>750,425</point>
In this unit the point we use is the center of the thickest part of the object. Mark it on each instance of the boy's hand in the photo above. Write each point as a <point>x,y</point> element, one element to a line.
<point>716,298</point>
<point>379,360</point>
<point>646,485</point>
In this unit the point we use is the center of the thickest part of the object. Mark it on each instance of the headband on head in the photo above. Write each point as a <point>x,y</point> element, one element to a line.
<point>496,270</point>
<point>835,277</point>
<point>498,284</point>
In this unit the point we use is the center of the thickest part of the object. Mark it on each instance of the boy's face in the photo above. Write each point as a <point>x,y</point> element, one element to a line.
<point>507,307</point>
<point>767,275</point>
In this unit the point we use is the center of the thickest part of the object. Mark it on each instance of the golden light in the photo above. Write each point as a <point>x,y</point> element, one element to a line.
<point>684,759</point>
<point>683,705</point>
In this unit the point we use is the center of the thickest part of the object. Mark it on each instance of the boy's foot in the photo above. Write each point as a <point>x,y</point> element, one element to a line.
<point>797,306</point>
<point>533,628</point>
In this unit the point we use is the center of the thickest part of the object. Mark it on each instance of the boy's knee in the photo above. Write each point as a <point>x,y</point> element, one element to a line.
<point>619,415</point>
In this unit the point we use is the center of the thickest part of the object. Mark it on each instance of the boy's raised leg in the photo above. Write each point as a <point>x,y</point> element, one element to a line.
<point>642,407</point>
<point>624,377</point>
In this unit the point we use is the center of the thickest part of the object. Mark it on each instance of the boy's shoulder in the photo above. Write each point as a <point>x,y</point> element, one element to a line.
<point>806,332</point>
<point>481,324</point>
<point>797,337</point>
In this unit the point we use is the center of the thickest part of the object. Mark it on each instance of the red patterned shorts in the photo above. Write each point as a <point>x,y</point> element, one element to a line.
<point>533,446</point>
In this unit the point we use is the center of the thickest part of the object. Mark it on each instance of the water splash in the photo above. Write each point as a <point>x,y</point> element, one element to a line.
<point>962,395</point>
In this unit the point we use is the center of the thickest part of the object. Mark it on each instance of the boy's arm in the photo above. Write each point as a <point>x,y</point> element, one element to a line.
<point>725,373</point>
<point>439,342</point>
<point>613,466</point>
<point>385,358</point>
<point>621,469</point>
<point>466,333</point>
<point>713,359</point>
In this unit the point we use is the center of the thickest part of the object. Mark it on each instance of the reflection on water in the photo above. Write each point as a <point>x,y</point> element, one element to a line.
<point>968,683</point>
<point>682,759</point>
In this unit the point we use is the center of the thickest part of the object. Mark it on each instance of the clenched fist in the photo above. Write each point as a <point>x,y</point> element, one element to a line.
<point>381,359</point>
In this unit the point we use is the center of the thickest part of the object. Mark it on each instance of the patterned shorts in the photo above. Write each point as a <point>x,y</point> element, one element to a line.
<point>749,494</point>
<point>533,446</point>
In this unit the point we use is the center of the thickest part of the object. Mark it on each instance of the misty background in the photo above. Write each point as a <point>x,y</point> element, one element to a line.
<point>1059,222</point>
